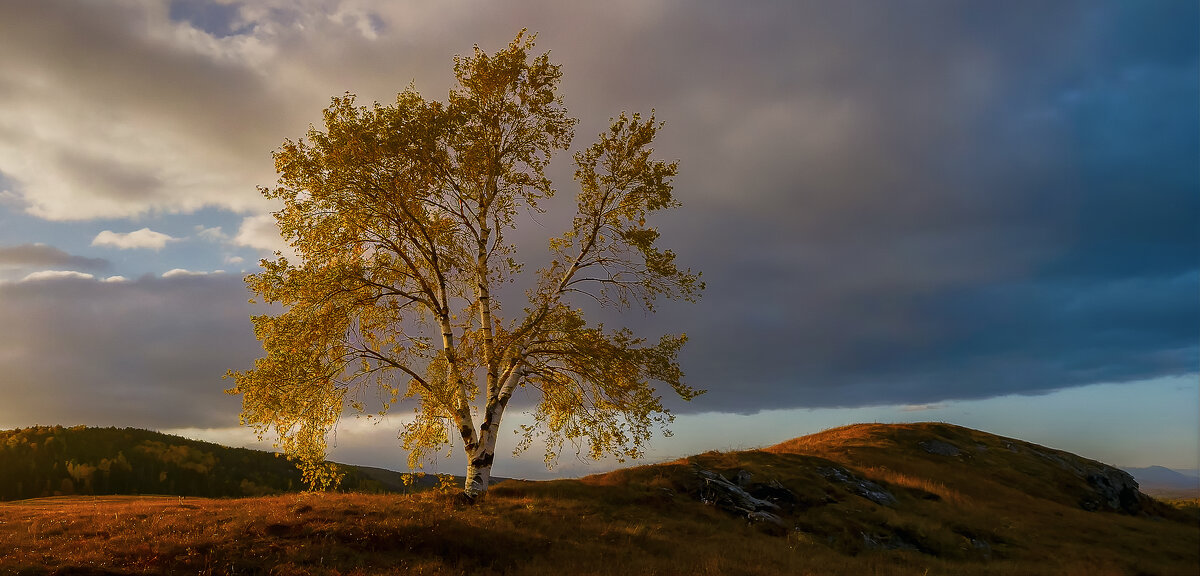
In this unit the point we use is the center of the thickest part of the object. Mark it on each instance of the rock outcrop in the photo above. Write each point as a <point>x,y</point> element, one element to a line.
<point>1114,489</point>
<point>861,486</point>
<point>939,447</point>
<point>759,503</point>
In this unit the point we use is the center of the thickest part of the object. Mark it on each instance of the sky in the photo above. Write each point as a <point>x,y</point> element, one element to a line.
<point>984,213</point>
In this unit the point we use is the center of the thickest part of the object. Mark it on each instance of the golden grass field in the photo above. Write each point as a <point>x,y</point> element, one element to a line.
<point>996,512</point>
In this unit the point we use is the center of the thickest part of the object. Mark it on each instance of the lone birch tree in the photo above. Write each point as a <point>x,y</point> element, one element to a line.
<point>399,216</point>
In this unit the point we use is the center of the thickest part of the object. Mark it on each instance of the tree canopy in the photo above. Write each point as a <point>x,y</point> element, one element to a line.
<point>399,218</point>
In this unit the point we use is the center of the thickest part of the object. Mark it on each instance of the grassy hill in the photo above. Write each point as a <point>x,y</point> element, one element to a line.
<point>56,461</point>
<point>866,499</point>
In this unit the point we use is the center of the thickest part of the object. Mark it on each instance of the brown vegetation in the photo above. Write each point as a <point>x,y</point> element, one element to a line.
<point>993,512</point>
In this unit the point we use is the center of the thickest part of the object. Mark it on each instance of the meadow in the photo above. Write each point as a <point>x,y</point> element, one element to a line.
<point>1002,508</point>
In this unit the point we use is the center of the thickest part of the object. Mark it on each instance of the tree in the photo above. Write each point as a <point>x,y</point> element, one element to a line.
<point>398,216</point>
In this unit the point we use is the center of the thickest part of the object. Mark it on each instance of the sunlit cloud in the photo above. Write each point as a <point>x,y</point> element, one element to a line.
<point>235,436</point>
<point>181,272</point>
<point>144,238</point>
<point>180,118</point>
<point>11,199</point>
<point>169,100</point>
<point>261,233</point>
<point>43,275</point>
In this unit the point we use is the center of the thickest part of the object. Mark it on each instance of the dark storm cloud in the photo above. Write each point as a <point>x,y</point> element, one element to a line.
<point>1010,202</point>
<point>109,178</point>
<point>148,353</point>
<point>909,202</point>
<point>43,256</point>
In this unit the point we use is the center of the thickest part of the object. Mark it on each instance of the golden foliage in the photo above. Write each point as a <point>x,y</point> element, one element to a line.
<point>399,213</point>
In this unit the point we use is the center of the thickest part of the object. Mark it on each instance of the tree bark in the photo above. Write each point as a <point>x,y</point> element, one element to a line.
<point>479,467</point>
<point>479,460</point>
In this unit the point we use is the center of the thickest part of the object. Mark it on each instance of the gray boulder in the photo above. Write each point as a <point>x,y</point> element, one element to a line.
<point>939,447</point>
<point>861,486</point>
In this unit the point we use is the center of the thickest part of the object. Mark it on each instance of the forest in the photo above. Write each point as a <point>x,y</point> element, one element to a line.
<point>46,461</point>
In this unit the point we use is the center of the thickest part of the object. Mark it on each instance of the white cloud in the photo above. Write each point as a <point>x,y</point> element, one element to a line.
<point>115,279</point>
<point>214,234</point>
<point>178,272</point>
<point>144,238</point>
<point>235,436</point>
<point>260,232</point>
<point>56,275</point>
<point>10,198</point>
<point>163,118</point>
<point>168,118</point>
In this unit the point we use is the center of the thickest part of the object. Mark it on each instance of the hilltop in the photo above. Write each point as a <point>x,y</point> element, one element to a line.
<point>865,499</point>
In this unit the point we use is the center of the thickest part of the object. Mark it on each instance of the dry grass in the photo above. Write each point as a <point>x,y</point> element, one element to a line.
<point>919,483</point>
<point>523,532</point>
<point>948,519</point>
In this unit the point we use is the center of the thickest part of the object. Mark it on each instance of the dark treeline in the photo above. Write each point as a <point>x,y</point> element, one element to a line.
<point>57,461</point>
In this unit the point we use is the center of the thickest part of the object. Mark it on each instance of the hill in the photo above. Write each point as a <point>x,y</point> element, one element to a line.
<point>56,461</point>
<point>867,499</point>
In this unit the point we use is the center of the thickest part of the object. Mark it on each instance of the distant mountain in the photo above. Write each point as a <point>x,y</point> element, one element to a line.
<point>1165,482</point>
<point>56,461</point>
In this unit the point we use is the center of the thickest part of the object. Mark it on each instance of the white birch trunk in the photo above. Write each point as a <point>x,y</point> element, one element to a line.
<point>479,462</point>
<point>479,467</point>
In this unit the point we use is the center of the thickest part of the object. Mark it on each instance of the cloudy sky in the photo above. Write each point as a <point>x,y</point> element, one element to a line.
<point>986,213</point>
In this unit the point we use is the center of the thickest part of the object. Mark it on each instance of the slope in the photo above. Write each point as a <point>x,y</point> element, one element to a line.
<point>869,499</point>
<point>932,494</point>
